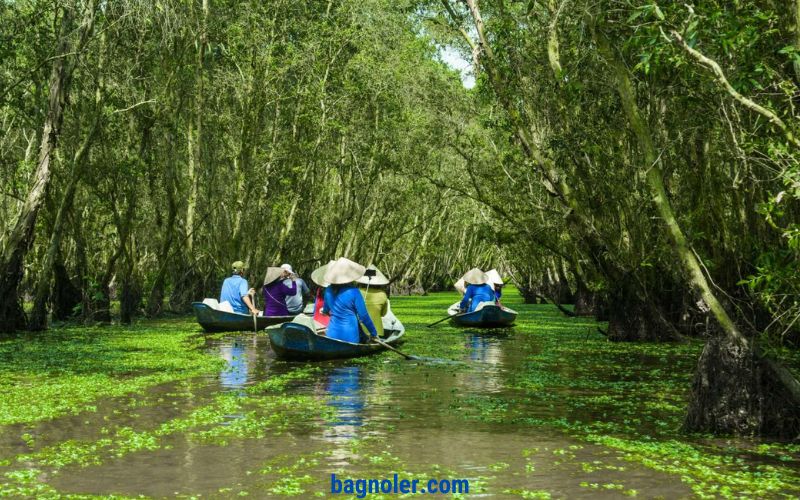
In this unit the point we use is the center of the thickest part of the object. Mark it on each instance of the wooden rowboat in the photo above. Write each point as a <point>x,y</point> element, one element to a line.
<point>297,342</point>
<point>485,316</point>
<point>214,320</point>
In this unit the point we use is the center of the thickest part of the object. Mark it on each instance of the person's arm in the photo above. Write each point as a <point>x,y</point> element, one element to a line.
<point>244,292</point>
<point>467,296</point>
<point>249,304</point>
<point>385,307</point>
<point>304,288</point>
<point>327,300</point>
<point>363,314</point>
<point>288,291</point>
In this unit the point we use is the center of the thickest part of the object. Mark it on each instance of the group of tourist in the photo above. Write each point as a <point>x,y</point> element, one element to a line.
<point>351,307</point>
<point>479,287</point>
<point>351,300</point>
<point>284,292</point>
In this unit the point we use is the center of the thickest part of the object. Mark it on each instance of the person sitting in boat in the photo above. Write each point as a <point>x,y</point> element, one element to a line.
<point>237,292</point>
<point>318,277</point>
<point>344,303</point>
<point>478,290</point>
<point>295,303</point>
<point>275,291</point>
<point>497,283</point>
<point>373,288</point>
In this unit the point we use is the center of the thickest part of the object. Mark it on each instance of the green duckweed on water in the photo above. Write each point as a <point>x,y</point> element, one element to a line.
<point>547,409</point>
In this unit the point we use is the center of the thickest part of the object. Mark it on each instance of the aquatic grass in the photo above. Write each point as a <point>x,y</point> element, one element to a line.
<point>628,397</point>
<point>555,373</point>
<point>67,370</point>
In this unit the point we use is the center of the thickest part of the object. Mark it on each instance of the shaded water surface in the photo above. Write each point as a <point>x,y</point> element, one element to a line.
<point>280,429</point>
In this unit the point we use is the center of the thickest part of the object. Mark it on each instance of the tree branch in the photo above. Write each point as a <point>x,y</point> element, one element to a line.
<point>715,68</point>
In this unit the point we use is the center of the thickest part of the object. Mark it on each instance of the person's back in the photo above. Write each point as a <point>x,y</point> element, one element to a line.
<point>476,294</point>
<point>275,297</point>
<point>345,306</point>
<point>377,305</point>
<point>233,289</point>
<point>294,303</point>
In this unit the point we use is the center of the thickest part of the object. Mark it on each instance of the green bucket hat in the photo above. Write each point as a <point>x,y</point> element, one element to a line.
<point>238,266</point>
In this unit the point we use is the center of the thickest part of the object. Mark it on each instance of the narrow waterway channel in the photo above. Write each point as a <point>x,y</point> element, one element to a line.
<point>544,409</point>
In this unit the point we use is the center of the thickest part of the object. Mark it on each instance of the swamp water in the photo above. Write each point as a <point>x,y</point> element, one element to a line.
<point>545,409</point>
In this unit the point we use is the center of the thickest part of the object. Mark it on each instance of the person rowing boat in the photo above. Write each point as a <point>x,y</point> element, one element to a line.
<point>477,291</point>
<point>344,303</point>
<point>236,291</point>
<point>373,289</point>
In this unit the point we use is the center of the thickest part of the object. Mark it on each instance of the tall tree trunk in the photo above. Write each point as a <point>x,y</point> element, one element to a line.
<point>22,235</point>
<point>195,130</point>
<point>735,389</point>
<point>38,317</point>
<point>155,298</point>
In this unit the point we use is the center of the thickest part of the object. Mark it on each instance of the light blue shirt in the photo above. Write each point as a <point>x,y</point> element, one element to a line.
<point>233,289</point>
<point>294,303</point>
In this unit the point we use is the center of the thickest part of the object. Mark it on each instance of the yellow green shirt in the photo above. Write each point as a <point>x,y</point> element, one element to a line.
<point>377,305</point>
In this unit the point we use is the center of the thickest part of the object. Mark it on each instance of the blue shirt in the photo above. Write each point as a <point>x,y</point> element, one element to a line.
<point>346,307</point>
<point>233,289</point>
<point>478,294</point>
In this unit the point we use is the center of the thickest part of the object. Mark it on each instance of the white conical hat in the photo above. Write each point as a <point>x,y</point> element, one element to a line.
<point>343,271</point>
<point>494,277</point>
<point>273,273</point>
<point>318,274</point>
<point>460,286</point>
<point>475,277</point>
<point>378,280</point>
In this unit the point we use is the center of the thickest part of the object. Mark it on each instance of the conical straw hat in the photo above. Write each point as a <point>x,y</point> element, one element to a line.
<point>475,277</point>
<point>343,271</point>
<point>460,286</point>
<point>273,273</point>
<point>494,277</point>
<point>318,275</point>
<point>378,280</point>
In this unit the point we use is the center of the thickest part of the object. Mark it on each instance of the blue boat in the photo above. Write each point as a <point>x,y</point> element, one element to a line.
<point>485,316</point>
<point>298,342</point>
<point>214,320</point>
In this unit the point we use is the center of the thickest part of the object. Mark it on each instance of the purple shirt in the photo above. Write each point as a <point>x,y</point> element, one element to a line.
<point>275,295</point>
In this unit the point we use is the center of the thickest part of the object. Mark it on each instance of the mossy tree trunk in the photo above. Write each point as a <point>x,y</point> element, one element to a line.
<point>21,238</point>
<point>734,390</point>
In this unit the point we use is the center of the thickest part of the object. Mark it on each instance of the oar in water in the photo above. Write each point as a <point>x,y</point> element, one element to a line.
<point>384,344</point>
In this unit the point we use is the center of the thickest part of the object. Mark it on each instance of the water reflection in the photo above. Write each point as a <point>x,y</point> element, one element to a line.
<point>346,397</point>
<point>234,375</point>
<point>485,349</point>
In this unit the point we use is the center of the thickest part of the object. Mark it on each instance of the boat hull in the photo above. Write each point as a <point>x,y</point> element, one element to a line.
<point>213,320</point>
<point>296,342</point>
<point>486,317</point>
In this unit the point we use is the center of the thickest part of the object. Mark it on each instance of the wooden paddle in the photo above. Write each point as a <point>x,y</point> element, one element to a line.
<point>446,318</point>
<point>384,344</point>
<point>255,321</point>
